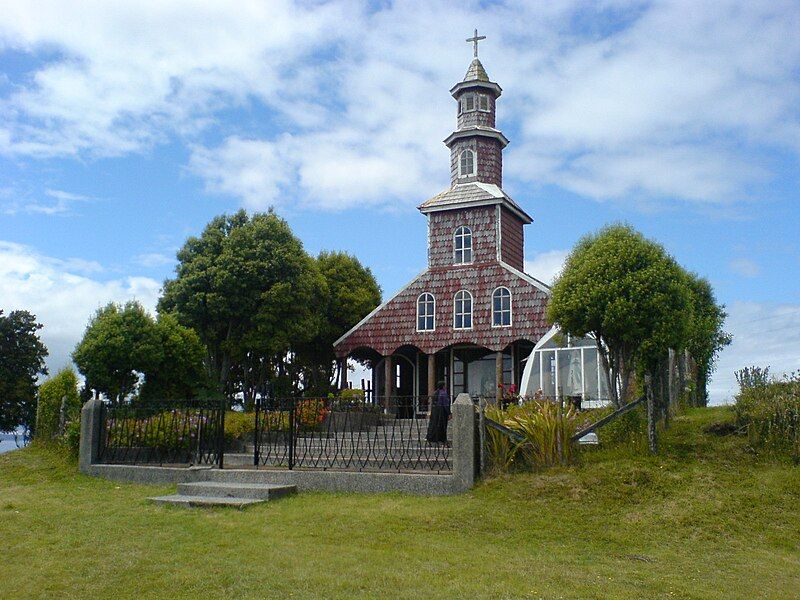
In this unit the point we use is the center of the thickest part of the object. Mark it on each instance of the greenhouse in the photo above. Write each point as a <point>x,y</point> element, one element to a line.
<point>565,367</point>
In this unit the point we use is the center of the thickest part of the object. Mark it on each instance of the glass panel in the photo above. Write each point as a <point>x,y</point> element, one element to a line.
<point>590,372</point>
<point>535,383</point>
<point>481,377</point>
<point>570,373</point>
<point>549,373</point>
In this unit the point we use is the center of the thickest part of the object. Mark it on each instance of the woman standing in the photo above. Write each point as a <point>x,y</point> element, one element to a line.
<point>440,414</point>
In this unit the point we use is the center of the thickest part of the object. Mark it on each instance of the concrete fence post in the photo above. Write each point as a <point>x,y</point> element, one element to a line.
<point>464,443</point>
<point>90,434</point>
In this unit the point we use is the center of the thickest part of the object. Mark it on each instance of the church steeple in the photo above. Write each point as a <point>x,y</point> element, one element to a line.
<point>476,147</point>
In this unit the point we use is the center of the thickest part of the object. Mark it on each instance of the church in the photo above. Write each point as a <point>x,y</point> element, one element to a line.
<point>473,318</point>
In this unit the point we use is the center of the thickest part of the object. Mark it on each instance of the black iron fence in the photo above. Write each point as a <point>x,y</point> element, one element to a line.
<point>179,432</point>
<point>391,434</point>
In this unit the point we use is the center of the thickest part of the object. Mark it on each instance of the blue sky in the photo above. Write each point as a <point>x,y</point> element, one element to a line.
<point>125,128</point>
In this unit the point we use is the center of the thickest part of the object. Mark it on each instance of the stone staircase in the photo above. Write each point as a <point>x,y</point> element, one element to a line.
<point>219,493</point>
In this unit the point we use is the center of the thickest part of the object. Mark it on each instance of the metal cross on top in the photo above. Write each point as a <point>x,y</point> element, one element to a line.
<point>475,39</point>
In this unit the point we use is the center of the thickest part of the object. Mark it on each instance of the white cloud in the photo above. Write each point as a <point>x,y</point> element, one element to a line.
<point>745,267</point>
<point>154,259</point>
<point>763,335</point>
<point>63,204</point>
<point>672,100</point>
<point>545,266</point>
<point>61,295</point>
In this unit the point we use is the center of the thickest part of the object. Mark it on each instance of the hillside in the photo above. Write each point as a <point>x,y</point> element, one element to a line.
<point>706,519</point>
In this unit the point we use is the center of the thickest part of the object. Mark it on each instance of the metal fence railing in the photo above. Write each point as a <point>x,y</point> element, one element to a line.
<point>391,434</point>
<point>179,432</point>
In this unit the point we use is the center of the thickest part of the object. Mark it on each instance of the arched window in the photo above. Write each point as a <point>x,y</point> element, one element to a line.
<point>426,312</point>
<point>466,163</point>
<point>501,307</point>
<point>462,245</point>
<point>462,310</point>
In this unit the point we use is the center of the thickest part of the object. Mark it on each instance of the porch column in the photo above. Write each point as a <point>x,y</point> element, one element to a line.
<point>431,379</point>
<point>498,376</point>
<point>388,384</point>
<point>342,373</point>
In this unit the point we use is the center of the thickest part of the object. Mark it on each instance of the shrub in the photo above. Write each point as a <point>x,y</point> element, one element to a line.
<point>310,413</point>
<point>770,414</point>
<point>547,429</point>
<point>48,410</point>
<point>239,426</point>
<point>71,439</point>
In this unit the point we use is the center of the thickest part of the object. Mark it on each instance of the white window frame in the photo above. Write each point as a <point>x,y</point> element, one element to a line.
<point>465,233</point>
<point>510,308</point>
<point>474,163</point>
<point>464,295</point>
<point>484,98</point>
<point>432,315</point>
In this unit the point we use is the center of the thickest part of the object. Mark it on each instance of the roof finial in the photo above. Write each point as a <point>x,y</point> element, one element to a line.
<point>475,39</point>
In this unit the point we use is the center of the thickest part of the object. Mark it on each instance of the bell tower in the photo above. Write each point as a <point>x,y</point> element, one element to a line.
<point>476,146</point>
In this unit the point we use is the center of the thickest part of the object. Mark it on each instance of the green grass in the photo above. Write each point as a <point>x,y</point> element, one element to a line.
<point>706,519</point>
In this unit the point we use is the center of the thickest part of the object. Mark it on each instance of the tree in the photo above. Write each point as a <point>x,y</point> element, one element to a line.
<point>252,294</point>
<point>353,293</point>
<point>119,345</point>
<point>626,292</point>
<point>61,387</point>
<point>179,372</point>
<point>22,357</point>
<point>705,336</point>
<point>124,346</point>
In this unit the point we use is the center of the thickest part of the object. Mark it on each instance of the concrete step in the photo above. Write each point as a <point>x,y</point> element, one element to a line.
<point>250,491</point>
<point>203,501</point>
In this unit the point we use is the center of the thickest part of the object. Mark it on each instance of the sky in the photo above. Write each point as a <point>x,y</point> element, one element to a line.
<point>125,127</point>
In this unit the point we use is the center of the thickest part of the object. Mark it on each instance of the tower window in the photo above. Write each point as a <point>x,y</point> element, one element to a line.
<point>466,163</point>
<point>501,307</point>
<point>462,312</point>
<point>483,103</point>
<point>462,245</point>
<point>467,102</point>
<point>426,311</point>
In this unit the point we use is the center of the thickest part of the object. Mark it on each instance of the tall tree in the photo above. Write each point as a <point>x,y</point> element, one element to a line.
<point>252,294</point>
<point>119,345</point>
<point>705,336</point>
<point>178,372</point>
<point>22,357</point>
<point>353,293</point>
<point>623,290</point>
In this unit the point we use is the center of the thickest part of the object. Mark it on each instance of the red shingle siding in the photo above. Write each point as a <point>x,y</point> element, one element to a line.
<point>395,324</point>
<point>442,225</point>
<point>490,160</point>
<point>478,117</point>
<point>512,240</point>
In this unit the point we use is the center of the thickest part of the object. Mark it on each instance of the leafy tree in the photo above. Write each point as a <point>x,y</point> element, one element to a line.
<point>352,294</point>
<point>124,344</point>
<point>180,372</point>
<point>22,357</point>
<point>252,294</point>
<point>705,336</point>
<point>62,385</point>
<point>625,291</point>
<point>118,346</point>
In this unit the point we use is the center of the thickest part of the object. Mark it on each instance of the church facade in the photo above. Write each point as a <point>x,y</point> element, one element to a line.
<point>473,316</point>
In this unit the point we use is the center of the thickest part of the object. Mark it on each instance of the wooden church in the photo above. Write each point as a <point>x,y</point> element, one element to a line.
<point>473,316</point>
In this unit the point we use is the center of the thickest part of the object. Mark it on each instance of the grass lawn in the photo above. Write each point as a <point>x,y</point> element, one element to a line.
<point>707,519</point>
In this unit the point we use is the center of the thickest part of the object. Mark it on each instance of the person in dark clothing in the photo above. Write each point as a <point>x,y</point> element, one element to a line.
<point>440,414</point>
